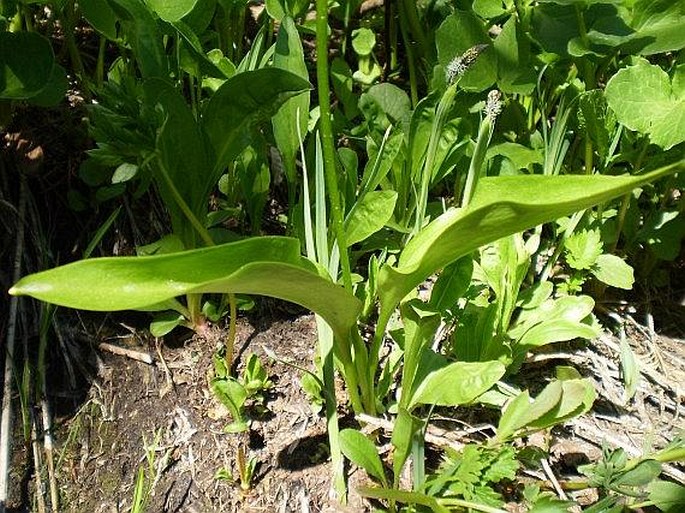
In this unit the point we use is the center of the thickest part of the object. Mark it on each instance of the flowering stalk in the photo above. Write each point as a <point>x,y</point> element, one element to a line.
<point>455,70</point>
<point>493,107</point>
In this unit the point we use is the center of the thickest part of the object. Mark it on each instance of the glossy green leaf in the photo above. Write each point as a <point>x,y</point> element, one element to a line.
<point>659,26</point>
<point>362,452</point>
<point>521,412</point>
<point>457,383</point>
<point>269,266</point>
<point>245,100</point>
<point>614,271</point>
<point>501,206</point>
<point>26,63</point>
<point>370,215</point>
<point>171,11</point>
<point>644,100</point>
<point>577,397</point>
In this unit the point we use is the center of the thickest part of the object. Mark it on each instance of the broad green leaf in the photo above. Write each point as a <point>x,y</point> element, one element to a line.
<point>101,16</point>
<point>363,41</point>
<point>520,156</point>
<point>643,99</point>
<point>659,26</point>
<point>546,400</point>
<point>557,330</point>
<point>183,158</point>
<point>420,324</point>
<point>492,8</point>
<point>613,271</point>
<point>515,74</point>
<point>514,416</point>
<point>644,473</point>
<point>577,397</point>
<point>124,172</point>
<point>279,9</point>
<point>165,322</point>
<point>143,34</point>
<point>452,284</point>
<point>26,63</point>
<point>269,266</point>
<point>501,206</point>
<point>406,425</point>
<point>193,58</point>
<point>54,90</point>
<point>369,215</point>
<point>392,100</point>
<point>286,123</point>
<point>362,452</point>
<point>457,383</point>
<point>245,100</point>
<point>171,11</point>
<point>662,232</point>
<point>459,32</point>
<point>667,496</point>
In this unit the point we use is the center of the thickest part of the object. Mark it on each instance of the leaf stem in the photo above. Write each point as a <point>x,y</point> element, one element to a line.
<point>327,137</point>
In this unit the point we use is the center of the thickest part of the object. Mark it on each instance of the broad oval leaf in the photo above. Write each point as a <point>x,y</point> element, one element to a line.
<point>614,271</point>
<point>370,215</point>
<point>243,101</point>
<point>501,206</point>
<point>269,266</point>
<point>171,11</point>
<point>457,383</point>
<point>26,62</point>
<point>362,452</point>
<point>644,100</point>
<point>556,330</point>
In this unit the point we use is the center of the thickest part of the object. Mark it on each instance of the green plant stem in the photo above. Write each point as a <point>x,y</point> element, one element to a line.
<point>323,87</point>
<point>230,339</point>
<point>74,55</point>
<point>194,221</point>
<point>427,171</point>
<point>625,202</point>
<point>409,47</point>
<point>485,130</point>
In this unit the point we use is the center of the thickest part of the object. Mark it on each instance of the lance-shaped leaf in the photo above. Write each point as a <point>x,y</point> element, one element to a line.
<point>242,102</point>
<point>500,206</point>
<point>270,266</point>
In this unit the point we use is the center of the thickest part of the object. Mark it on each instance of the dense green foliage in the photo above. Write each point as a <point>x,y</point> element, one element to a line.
<point>442,137</point>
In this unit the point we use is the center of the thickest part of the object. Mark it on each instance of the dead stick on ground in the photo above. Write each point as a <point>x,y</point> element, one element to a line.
<point>129,353</point>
